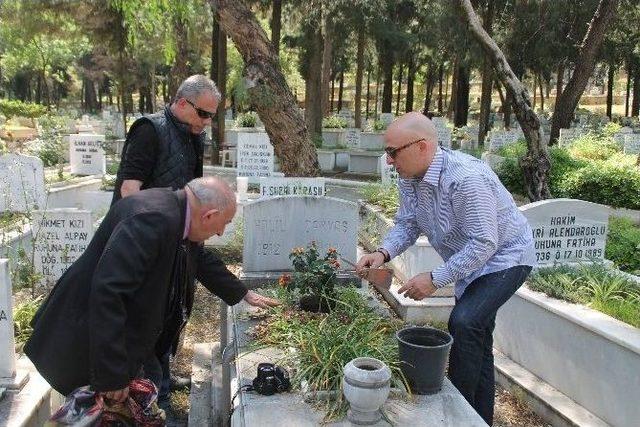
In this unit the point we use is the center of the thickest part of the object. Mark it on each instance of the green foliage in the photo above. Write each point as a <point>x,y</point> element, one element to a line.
<point>317,346</point>
<point>593,285</point>
<point>22,315</point>
<point>384,196</point>
<point>15,108</point>
<point>623,245</point>
<point>51,148</point>
<point>379,126</point>
<point>24,274</point>
<point>247,120</point>
<point>334,122</point>
<point>313,274</point>
<point>614,182</point>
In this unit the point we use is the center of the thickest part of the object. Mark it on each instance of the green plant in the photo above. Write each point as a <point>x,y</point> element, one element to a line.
<point>312,274</point>
<point>594,146</point>
<point>24,274</point>
<point>12,108</point>
<point>22,315</point>
<point>384,196</point>
<point>593,285</point>
<point>50,148</point>
<point>623,245</point>
<point>247,120</point>
<point>317,346</point>
<point>379,126</point>
<point>334,122</point>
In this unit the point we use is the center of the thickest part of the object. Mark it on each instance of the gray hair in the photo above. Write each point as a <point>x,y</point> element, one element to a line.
<point>196,85</point>
<point>212,191</point>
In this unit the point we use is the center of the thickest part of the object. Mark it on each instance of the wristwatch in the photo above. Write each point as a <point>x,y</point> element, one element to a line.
<point>384,253</point>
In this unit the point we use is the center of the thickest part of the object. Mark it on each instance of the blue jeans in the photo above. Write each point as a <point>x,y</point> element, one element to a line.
<point>471,324</point>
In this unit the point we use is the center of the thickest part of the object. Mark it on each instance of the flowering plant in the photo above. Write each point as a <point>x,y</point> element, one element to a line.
<point>313,274</point>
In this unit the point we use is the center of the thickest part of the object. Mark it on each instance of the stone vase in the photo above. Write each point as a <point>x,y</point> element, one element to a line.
<point>366,384</point>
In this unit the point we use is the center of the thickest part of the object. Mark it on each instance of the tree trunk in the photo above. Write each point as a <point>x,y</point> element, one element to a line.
<point>179,70</point>
<point>628,90</point>
<point>560,81</point>
<point>462,97</point>
<point>313,105</point>
<point>340,89</point>
<point>536,163</point>
<point>375,104</point>
<point>410,79</point>
<point>387,61</point>
<point>327,53</point>
<point>368,92</point>
<point>359,72</point>
<point>541,93</point>
<point>568,100</point>
<point>333,94</point>
<point>454,88</point>
<point>268,90</point>
<point>440,76</point>
<point>428,90</point>
<point>276,24</point>
<point>399,94</point>
<point>635,105</point>
<point>610,77</point>
<point>535,91</point>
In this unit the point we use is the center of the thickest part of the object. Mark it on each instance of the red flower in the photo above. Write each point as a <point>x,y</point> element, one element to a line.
<point>284,280</point>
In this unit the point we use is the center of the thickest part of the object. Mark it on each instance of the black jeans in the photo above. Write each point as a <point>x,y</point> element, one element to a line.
<point>471,324</point>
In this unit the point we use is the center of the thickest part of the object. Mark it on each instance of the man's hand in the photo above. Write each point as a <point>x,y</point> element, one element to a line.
<point>117,395</point>
<point>260,301</point>
<point>419,287</point>
<point>372,260</point>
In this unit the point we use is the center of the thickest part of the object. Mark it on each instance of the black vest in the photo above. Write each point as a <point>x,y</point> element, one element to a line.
<point>180,153</point>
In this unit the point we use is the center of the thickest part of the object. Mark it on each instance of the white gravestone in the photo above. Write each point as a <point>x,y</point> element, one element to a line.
<point>86,154</point>
<point>632,143</point>
<point>9,378</point>
<point>386,118</point>
<point>292,186</point>
<point>567,136</point>
<point>61,236</point>
<point>273,227</point>
<point>567,230</point>
<point>619,136</point>
<point>255,155</point>
<point>352,137</point>
<point>444,137</point>
<point>439,122</point>
<point>22,179</point>
<point>498,139</point>
<point>388,173</point>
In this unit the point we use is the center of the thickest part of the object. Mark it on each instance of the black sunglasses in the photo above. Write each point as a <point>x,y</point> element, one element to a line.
<point>203,114</point>
<point>393,151</point>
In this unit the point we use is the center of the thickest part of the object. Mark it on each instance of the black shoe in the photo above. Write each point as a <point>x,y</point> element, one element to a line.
<point>179,383</point>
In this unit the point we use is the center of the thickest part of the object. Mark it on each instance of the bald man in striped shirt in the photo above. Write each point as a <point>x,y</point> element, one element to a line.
<point>471,220</point>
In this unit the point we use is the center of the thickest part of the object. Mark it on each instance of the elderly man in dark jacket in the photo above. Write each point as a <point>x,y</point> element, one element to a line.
<point>120,303</point>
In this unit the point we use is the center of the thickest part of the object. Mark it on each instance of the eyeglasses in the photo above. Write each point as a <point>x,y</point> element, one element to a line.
<point>203,114</point>
<point>393,151</point>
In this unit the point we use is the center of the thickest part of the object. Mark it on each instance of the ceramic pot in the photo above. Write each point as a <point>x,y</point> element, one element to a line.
<point>366,383</point>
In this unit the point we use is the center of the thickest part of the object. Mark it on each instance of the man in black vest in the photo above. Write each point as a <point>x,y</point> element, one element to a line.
<point>119,303</point>
<point>166,150</point>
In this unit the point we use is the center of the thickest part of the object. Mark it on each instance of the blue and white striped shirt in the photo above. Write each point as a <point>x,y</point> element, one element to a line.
<point>468,216</point>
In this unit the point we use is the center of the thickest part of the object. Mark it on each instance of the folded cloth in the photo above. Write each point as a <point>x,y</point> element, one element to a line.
<point>84,407</point>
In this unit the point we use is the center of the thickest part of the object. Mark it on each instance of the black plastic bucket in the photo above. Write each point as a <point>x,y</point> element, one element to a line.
<point>423,357</point>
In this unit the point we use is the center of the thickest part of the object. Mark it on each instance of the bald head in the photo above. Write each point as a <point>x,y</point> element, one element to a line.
<point>411,142</point>
<point>413,126</point>
<point>212,192</point>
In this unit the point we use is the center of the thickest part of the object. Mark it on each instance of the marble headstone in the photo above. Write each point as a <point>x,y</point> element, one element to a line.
<point>386,118</point>
<point>273,227</point>
<point>86,154</point>
<point>7,341</point>
<point>567,136</point>
<point>255,155</point>
<point>632,143</point>
<point>567,230</point>
<point>61,236</point>
<point>291,186</point>
<point>22,179</point>
<point>388,173</point>
<point>352,137</point>
<point>498,139</point>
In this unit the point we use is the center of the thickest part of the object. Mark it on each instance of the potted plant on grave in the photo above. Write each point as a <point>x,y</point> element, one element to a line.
<point>314,278</point>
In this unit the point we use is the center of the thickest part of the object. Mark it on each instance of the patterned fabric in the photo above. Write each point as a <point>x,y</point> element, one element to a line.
<point>468,216</point>
<point>85,407</point>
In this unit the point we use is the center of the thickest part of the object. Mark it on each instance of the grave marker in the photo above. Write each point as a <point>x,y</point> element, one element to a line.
<point>273,187</point>
<point>22,179</point>
<point>86,154</point>
<point>388,173</point>
<point>632,143</point>
<point>255,155</point>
